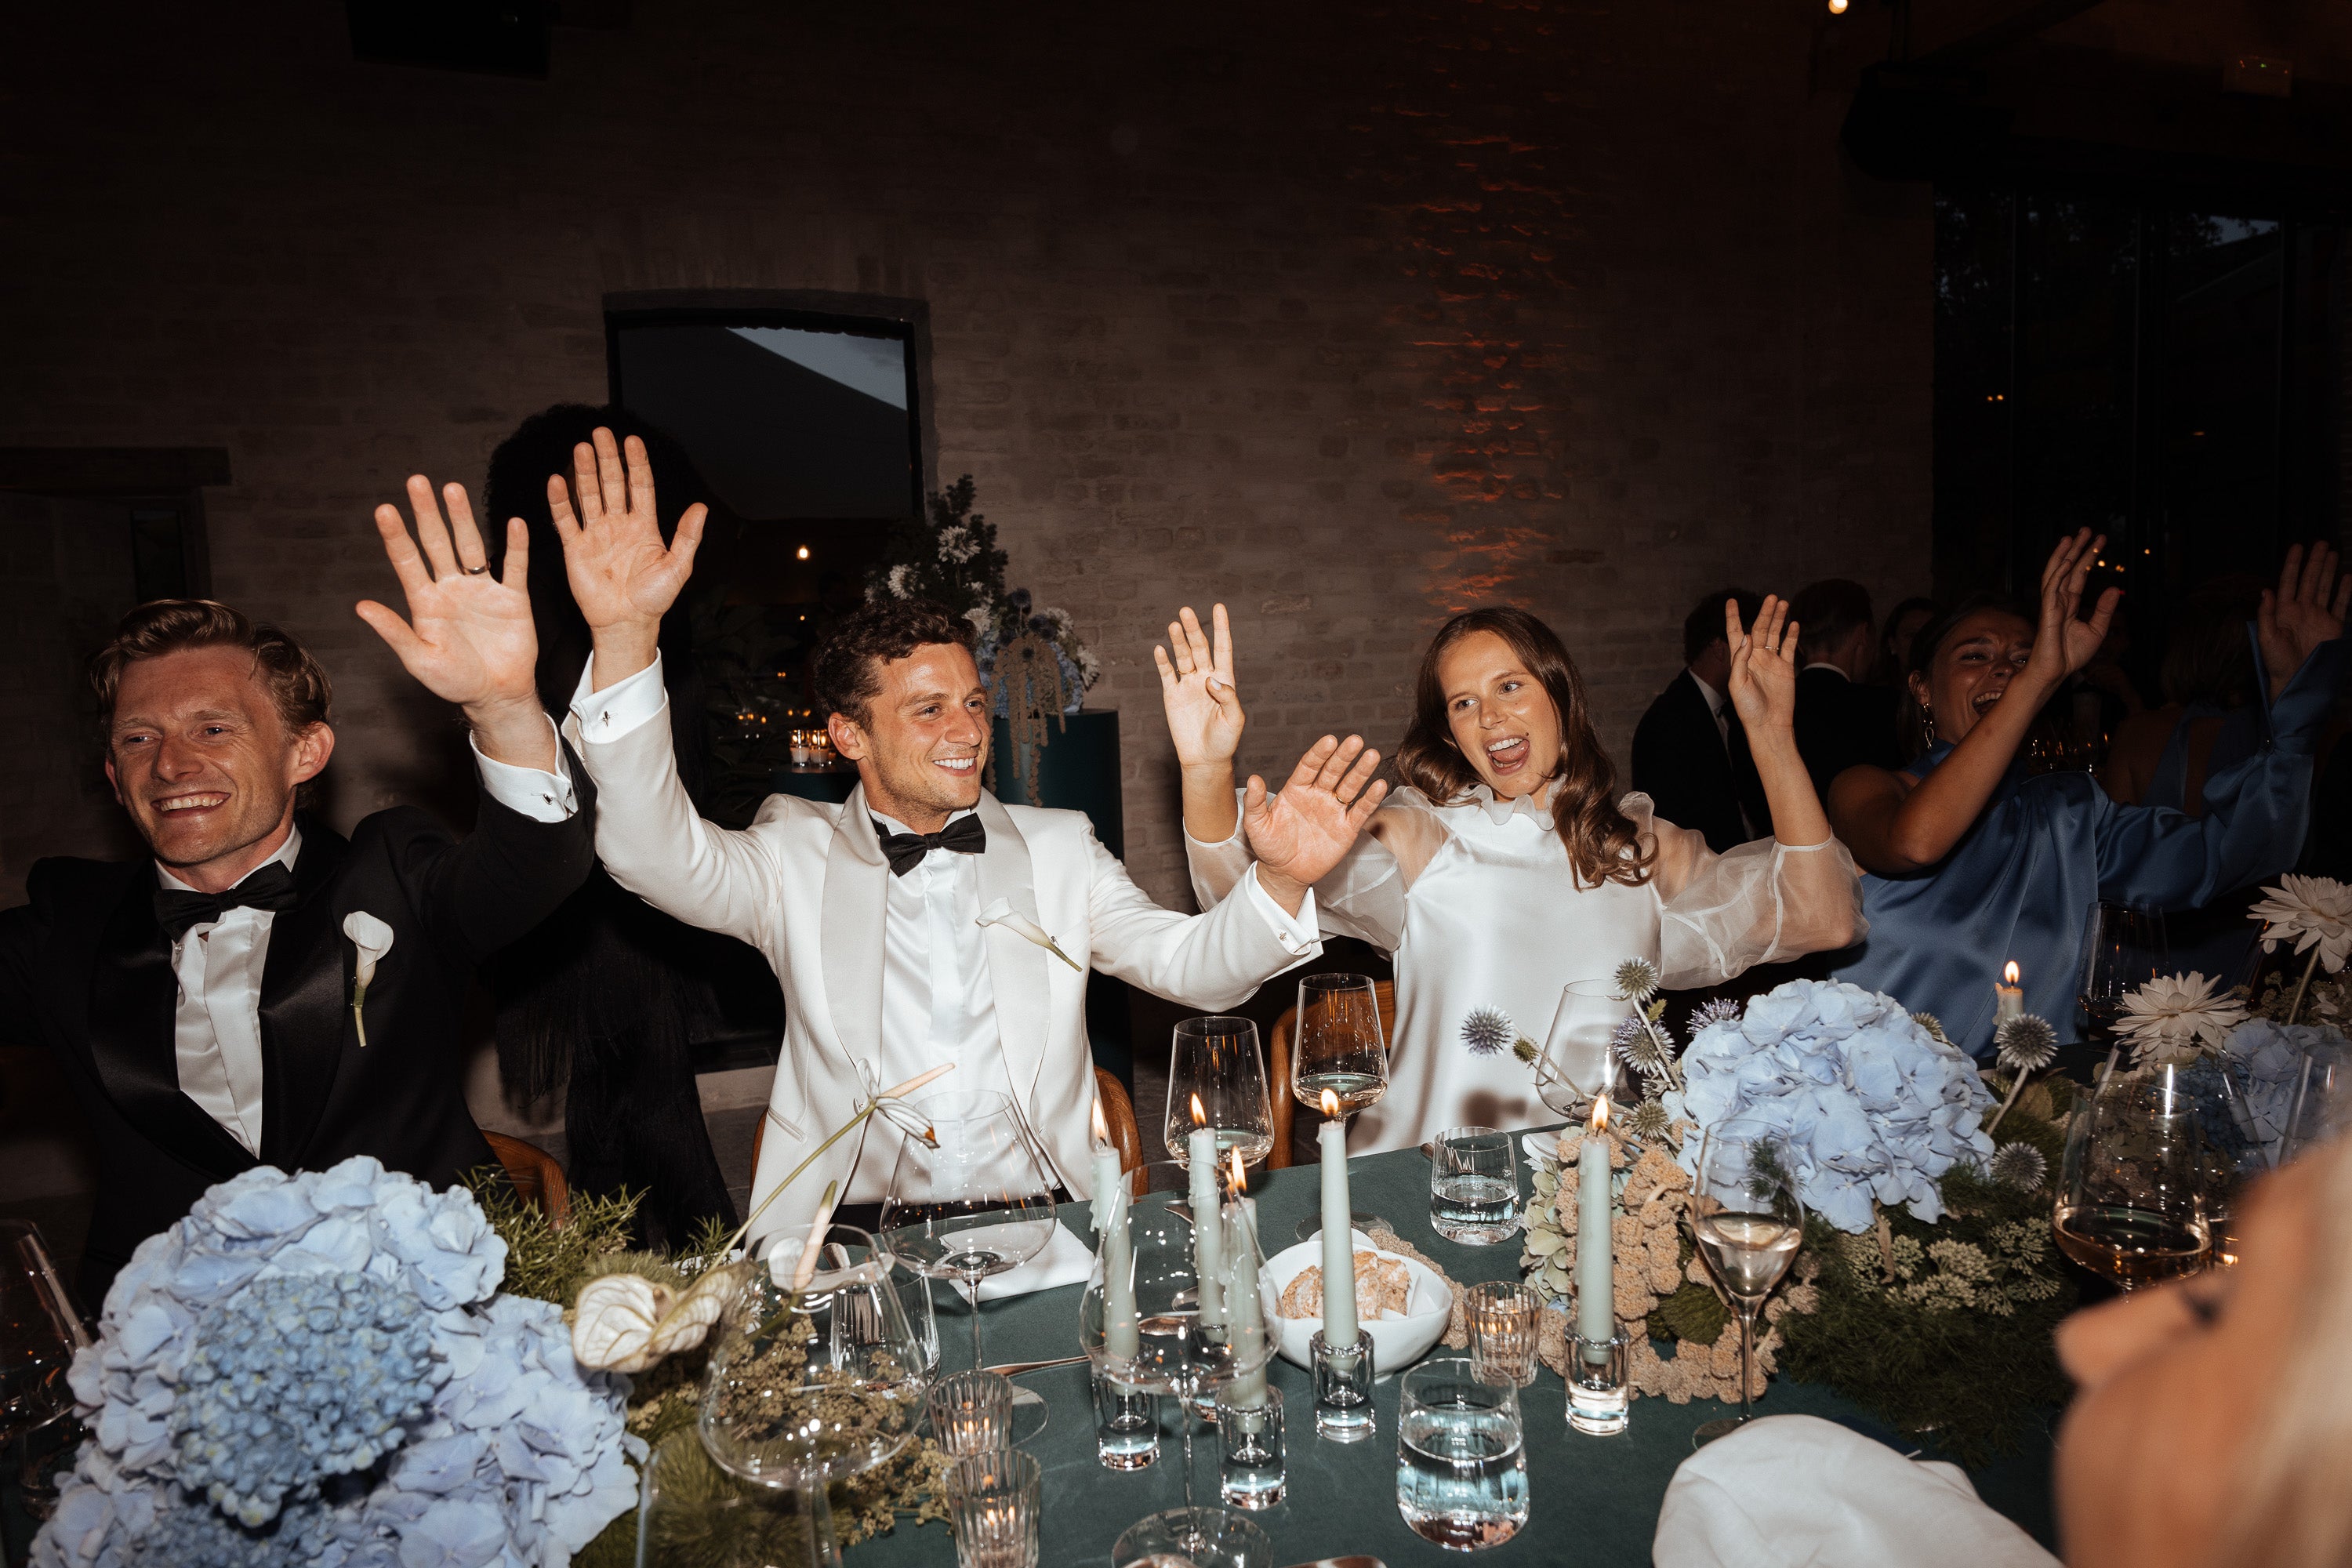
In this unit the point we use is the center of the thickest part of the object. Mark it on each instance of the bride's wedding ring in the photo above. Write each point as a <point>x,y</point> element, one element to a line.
<point>477,570</point>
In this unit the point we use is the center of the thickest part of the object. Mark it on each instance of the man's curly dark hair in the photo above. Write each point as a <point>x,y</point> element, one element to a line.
<point>848,670</point>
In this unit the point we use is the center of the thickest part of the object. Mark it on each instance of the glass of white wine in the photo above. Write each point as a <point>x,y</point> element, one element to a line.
<point>2130,1198</point>
<point>1338,1047</point>
<point>1749,1223</point>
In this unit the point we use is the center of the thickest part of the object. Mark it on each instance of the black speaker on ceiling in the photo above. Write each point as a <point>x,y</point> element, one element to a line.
<point>502,38</point>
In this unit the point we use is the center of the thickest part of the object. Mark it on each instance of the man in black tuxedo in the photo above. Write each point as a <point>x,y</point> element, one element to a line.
<point>1840,721</point>
<point>1690,754</point>
<point>203,1002</point>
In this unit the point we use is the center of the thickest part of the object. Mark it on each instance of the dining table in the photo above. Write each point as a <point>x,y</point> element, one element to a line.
<point>1595,1498</point>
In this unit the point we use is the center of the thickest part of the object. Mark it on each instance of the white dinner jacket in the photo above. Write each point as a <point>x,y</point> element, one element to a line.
<point>806,884</point>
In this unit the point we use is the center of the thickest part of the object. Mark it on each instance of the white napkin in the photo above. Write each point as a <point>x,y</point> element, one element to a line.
<point>1065,1261</point>
<point>1796,1491</point>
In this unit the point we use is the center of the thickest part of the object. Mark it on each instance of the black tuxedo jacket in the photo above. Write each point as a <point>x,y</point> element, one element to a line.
<point>86,973</point>
<point>1681,763</point>
<point>1840,724</point>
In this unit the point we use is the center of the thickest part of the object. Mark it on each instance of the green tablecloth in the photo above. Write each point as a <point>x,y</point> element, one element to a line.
<point>1595,1498</point>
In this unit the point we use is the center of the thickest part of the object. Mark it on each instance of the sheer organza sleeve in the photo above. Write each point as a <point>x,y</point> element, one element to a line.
<point>1756,903</point>
<point>1364,897</point>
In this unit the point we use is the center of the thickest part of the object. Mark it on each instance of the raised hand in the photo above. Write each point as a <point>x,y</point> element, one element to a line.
<point>1301,833</point>
<point>622,576</point>
<point>1763,665</point>
<point>2302,614</point>
<point>1205,711</point>
<point>469,638</point>
<point>2064,643</point>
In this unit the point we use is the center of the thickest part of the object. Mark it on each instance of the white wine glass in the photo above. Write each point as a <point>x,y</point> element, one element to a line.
<point>810,1387</point>
<point>1748,1222</point>
<point>1577,1060</point>
<point>974,1202</point>
<point>1216,1079</point>
<point>1338,1048</point>
<point>2130,1201</point>
<point>2126,948</point>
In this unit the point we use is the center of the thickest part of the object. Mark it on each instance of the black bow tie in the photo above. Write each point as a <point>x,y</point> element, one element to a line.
<point>271,888</point>
<point>905,851</point>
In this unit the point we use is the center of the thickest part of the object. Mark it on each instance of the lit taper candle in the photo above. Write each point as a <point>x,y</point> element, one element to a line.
<point>1338,1243</point>
<point>1123,1335</point>
<point>1241,1303</point>
<point>2008,996</point>
<point>1596,1273</point>
<point>1208,1218</point>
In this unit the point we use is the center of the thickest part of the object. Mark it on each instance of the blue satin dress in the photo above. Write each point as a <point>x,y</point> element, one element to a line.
<point>2023,880</point>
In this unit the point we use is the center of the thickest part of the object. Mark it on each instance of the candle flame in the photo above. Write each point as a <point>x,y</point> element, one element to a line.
<point>1599,1122</point>
<point>1102,1128</point>
<point>2009,975</point>
<point>1241,1183</point>
<point>1330,1103</point>
<point>1200,1117</point>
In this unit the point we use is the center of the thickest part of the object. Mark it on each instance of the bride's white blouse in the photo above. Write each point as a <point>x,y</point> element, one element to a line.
<point>1480,908</point>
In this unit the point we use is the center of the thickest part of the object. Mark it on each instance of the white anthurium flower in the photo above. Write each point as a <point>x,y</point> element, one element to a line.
<point>1001,913</point>
<point>626,1322</point>
<point>890,1104</point>
<point>801,1253</point>
<point>2309,912</point>
<point>2174,1017</point>
<point>373,940</point>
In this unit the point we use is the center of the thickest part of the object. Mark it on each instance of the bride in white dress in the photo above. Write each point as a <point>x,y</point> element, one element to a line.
<point>1506,867</point>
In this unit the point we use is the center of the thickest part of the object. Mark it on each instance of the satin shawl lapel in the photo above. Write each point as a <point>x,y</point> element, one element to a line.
<point>306,989</point>
<point>132,997</point>
<point>1017,969</point>
<point>856,888</point>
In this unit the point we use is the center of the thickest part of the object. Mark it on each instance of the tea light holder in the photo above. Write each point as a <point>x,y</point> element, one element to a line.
<point>1598,1396</point>
<point>1343,1387</point>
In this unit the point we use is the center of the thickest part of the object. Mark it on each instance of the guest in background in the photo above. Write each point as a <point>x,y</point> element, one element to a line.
<point>1690,750</point>
<point>604,999</point>
<point>1903,624</point>
<point>2211,719</point>
<point>1509,866</point>
<point>203,1002</point>
<point>1973,863</point>
<point>1840,721</point>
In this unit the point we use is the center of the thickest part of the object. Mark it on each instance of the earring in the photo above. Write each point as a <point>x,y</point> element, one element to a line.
<point>1927,718</point>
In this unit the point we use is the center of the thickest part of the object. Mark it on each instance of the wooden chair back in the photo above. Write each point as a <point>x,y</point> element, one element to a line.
<point>535,1176</point>
<point>1277,1067</point>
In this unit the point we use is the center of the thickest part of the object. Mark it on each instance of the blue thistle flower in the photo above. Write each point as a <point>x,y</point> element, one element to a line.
<point>1487,1031</point>
<point>2021,1166</point>
<point>1715,1010</point>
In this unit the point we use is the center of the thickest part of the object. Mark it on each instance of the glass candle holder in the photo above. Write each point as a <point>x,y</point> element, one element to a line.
<point>1343,1387</point>
<point>1504,1315</point>
<point>993,1506</point>
<point>1598,1396</point>
<point>1249,1439</point>
<point>972,1413</point>
<point>1127,1425</point>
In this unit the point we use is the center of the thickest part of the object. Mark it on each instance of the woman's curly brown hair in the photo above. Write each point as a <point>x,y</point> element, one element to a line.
<point>1602,843</point>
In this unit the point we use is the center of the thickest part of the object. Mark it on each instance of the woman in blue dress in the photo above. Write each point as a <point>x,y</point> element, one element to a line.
<point>1971,863</point>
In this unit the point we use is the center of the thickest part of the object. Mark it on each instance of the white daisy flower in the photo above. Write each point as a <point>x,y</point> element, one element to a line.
<point>2174,1017</point>
<point>2309,912</point>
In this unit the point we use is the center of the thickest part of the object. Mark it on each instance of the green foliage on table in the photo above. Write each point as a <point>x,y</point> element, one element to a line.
<point>546,1261</point>
<point>1693,1312</point>
<point>1945,1330</point>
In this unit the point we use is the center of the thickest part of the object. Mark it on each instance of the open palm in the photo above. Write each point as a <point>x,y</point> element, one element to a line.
<point>619,569</point>
<point>1205,711</point>
<point>2064,643</point>
<point>1303,831</point>
<point>1763,680</point>
<point>2307,609</point>
<point>469,636</point>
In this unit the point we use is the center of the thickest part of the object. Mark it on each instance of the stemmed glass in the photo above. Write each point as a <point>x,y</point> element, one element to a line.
<point>1578,1060</point>
<point>807,1387</point>
<point>1169,1350</point>
<point>974,1202</point>
<point>2130,1204</point>
<point>40,1329</point>
<point>1337,1049</point>
<point>2126,949</point>
<point>1216,1079</point>
<point>1749,1223</point>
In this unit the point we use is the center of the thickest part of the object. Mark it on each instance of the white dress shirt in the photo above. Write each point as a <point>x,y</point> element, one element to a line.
<point>216,1024</point>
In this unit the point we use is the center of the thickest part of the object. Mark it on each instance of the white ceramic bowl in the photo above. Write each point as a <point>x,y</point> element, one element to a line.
<point>1397,1342</point>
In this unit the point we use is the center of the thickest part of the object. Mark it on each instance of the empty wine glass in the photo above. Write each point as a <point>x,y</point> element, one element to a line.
<point>975,1202</point>
<point>1338,1048</point>
<point>1749,1223</point>
<point>1216,1079</point>
<point>1577,1060</point>
<point>2130,1201</point>
<point>1141,1323</point>
<point>2124,949</point>
<point>40,1329</point>
<point>806,1387</point>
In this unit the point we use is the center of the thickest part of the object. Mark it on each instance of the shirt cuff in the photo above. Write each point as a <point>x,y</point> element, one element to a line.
<point>532,791</point>
<point>1297,934</point>
<point>624,706</point>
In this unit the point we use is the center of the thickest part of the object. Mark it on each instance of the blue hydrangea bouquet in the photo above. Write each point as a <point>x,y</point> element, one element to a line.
<point>319,1368</point>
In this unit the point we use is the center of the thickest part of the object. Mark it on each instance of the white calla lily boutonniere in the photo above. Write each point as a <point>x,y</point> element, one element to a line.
<point>373,940</point>
<point>1001,913</point>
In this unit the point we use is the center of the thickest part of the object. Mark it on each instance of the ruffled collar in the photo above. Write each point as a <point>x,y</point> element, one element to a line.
<point>1536,806</point>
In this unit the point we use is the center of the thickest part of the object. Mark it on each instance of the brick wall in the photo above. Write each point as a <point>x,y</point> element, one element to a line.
<point>1349,314</point>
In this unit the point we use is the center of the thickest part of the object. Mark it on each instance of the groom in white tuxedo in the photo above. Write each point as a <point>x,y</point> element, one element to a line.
<point>870,911</point>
